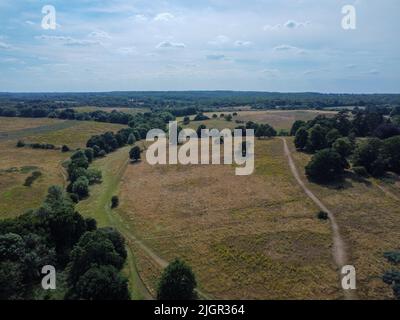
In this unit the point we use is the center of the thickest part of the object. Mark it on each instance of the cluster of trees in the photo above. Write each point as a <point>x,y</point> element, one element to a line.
<point>45,146</point>
<point>333,143</point>
<point>261,130</point>
<point>55,234</point>
<point>79,174</point>
<point>392,277</point>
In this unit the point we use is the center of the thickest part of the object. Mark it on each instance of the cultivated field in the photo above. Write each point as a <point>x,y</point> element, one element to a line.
<point>245,237</point>
<point>368,214</point>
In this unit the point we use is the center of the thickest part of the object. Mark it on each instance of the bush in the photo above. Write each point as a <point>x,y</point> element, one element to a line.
<point>134,154</point>
<point>102,154</point>
<point>74,197</point>
<point>20,144</point>
<point>114,202</point>
<point>361,171</point>
<point>65,148</point>
<point>322,215</point>
<point>29,180</point>
<point>131,139</point>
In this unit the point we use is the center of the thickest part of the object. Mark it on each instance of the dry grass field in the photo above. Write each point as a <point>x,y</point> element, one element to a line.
<point>245,237</point>
<point>13,124</point>
<point>75,136</point>
<point>16,164</point>
<point>369,218</point>
<point>279,119</point>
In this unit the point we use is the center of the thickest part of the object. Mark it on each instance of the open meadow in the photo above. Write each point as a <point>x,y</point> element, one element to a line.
<point>17,164</point>
<point>245,237</point>
<point>368,213</point>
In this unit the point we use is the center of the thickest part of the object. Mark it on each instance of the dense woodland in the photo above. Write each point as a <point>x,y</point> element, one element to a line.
<point>201,100</point>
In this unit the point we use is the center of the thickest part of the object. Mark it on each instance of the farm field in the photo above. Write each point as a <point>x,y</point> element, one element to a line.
<point>367,212</point>
<point>245,237</point>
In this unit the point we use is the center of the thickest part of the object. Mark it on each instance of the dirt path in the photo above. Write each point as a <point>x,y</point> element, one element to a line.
<point>339,249</point>
<point>119,222</point>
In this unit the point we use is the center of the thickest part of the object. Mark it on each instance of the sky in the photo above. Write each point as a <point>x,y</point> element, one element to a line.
<point>255,45</point>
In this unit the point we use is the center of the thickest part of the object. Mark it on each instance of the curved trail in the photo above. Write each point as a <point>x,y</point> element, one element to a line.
<point>339,249</point>
<point>121,226</point>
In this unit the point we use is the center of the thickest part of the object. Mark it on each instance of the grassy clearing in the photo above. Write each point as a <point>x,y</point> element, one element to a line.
<point>14,124</point>
<point>368,218</point>
<point>245,237</point>
<point>15,198</point>
<point>76,136</point>
<point>15,166</point>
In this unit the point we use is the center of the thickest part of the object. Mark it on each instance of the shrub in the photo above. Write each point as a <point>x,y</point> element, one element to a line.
<point>322,215</point>
<point>20,144</point>
<point>65,148</point>
<point>114,202</point>
<point>74,197</point>
<point>102,153</point>
<point>361,171</point>
<point>29,180</point>
<point>134,154</point>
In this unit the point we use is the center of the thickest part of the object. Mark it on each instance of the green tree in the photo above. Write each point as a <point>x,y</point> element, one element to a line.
<point>343,146</point>
<point>300,141</point>
<point>131,139</point>
<point>316,140</point>
<point>177,282</point>
<point>296,126</point>
<point>100,283</point>
<point>325,166</point>
<point>81,187</point>
<point>332,136</point>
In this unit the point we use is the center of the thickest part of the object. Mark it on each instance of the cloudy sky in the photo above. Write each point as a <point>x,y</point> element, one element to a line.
<point>266,45</point>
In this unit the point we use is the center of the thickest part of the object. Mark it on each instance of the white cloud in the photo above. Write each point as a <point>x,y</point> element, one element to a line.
<point>31,23</point>
<point>69,41</point>
<point>286,47</point>
<point>99,35</point>
<point>140,18</point>
<point>220,40</point>
<point>165,16</point>
<point>291,24</point>
<point>239,43</point>
<point>217,57</point>
<point>127,50</point>
<point>5,46</point>
<point>169,44</point>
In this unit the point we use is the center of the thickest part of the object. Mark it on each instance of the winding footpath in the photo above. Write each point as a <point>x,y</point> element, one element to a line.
<point>339,252</point>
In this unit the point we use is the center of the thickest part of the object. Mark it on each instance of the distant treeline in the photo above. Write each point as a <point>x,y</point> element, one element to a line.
<point>201,100</point>
<point>100,116</point>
